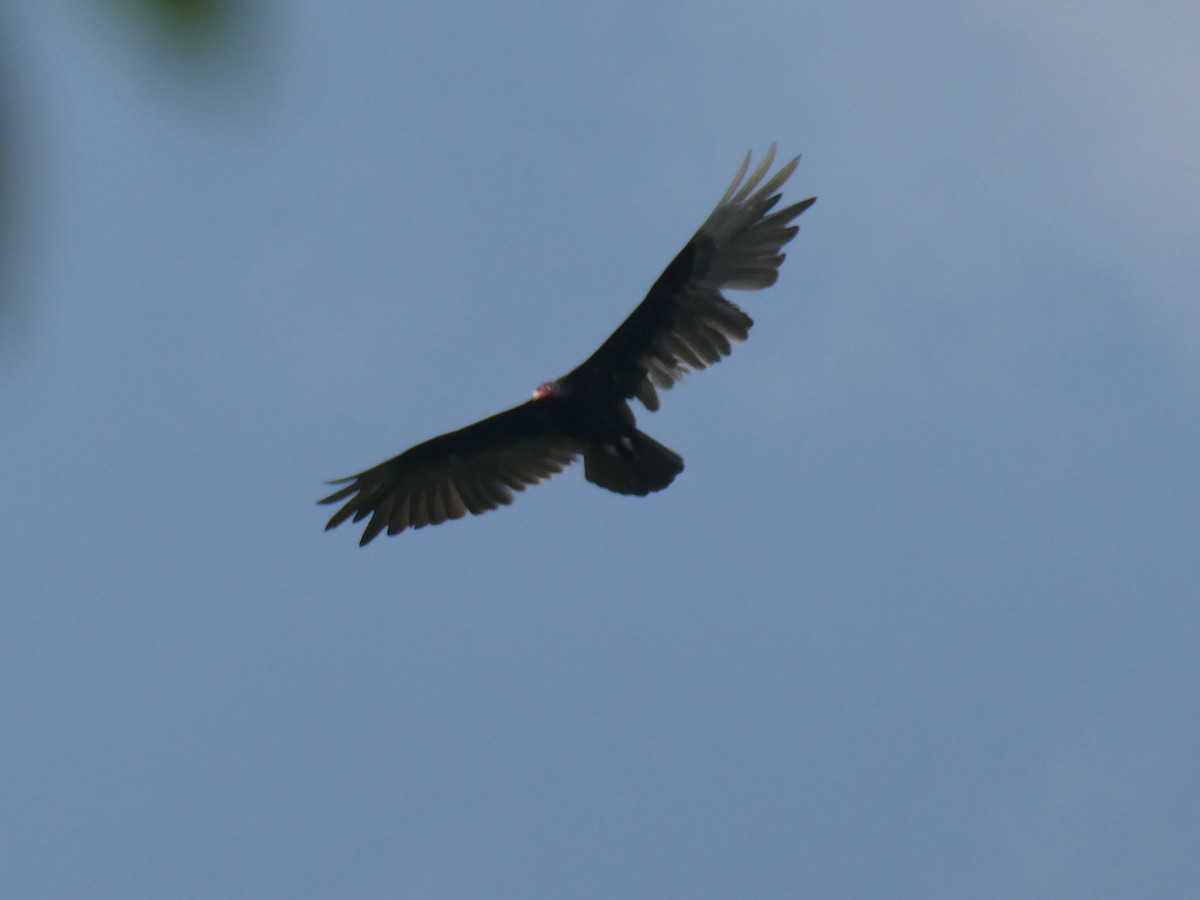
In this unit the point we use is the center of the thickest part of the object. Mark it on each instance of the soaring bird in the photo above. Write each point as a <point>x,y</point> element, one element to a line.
<point>683,324</point>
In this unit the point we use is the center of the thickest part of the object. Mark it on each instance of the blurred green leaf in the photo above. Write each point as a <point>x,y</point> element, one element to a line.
<point>186,14</point>
<point>186,22</point>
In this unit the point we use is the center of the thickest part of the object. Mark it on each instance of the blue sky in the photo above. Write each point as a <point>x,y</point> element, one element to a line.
<point>918,620</point>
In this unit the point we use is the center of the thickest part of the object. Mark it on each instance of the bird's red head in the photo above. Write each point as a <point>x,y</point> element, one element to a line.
<point>547,390</point>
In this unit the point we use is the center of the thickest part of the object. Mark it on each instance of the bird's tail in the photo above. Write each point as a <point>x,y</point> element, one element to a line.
<point>634,464</point>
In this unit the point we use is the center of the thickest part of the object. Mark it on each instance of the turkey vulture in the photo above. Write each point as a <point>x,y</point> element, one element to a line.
<point>684,323</point>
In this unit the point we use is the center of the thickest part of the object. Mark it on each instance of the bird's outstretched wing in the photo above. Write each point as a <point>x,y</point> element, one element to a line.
<point>684,322</point>
<point>470,470</point>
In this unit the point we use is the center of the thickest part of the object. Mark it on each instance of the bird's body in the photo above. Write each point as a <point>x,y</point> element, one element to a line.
<point>683,324</point>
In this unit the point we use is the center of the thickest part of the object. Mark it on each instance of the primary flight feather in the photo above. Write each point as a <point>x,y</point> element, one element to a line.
<point>684,323</point>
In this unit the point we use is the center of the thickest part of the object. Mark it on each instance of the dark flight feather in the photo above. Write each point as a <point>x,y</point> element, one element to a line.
<point>684,324</point>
